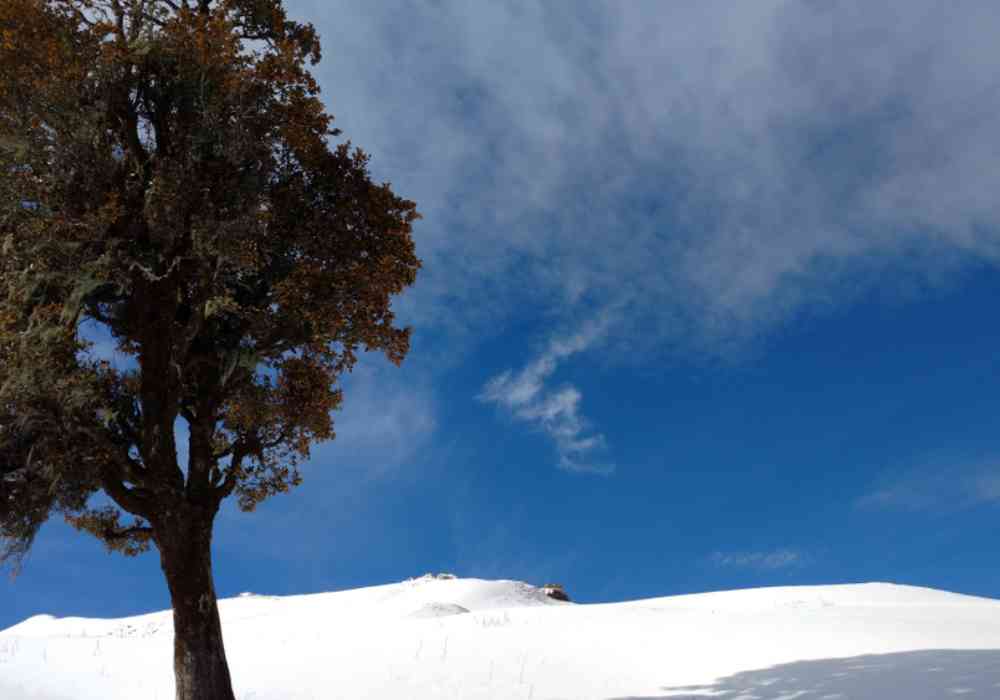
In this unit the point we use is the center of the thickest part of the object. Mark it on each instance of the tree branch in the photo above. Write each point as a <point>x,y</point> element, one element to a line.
<point>138,13</point>
<point>80,17</point>
<point>137,531</point>
<point>153,19</point>
<point>231,475</point>
<point>135,501</point>
<point>119,13</point>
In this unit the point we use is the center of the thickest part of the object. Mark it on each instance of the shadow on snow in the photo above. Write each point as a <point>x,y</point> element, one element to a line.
<point>933,674</point>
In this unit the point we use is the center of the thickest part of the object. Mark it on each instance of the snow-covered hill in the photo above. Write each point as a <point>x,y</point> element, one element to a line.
<point>469,638</point>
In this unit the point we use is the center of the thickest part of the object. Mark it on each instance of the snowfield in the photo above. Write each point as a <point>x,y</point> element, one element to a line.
<point>441,637</point>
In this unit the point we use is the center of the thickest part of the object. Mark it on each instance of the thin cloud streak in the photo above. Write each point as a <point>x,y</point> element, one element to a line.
<point>777,559</point>
<point>555,411</point>
<point>940,490</point>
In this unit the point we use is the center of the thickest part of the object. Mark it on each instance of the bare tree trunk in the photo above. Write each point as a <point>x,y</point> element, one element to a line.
<point>200,667</point>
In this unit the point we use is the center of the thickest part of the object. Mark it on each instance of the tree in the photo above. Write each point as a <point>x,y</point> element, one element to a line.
<point>166,176</point>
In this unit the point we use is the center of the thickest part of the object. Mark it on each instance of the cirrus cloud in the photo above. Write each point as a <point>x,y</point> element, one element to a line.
<point>726,165</point>
<point>555,411</point>
<point>775,559</point>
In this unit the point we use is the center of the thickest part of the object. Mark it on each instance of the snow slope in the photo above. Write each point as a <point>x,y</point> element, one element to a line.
<point>469,638</point>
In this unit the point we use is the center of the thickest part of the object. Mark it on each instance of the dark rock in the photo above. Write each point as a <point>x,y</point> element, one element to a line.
<point>556,592</point>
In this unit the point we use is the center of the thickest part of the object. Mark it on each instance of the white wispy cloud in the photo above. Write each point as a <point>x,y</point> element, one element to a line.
<point>935,489</point>
<point>556,411</point>
<point>777,559</point>
<point>389,416</point>
<point>385,432</point>
<point>729,165</point>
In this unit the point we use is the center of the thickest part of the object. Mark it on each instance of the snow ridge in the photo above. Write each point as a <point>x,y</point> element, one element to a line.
<point>438,636</point>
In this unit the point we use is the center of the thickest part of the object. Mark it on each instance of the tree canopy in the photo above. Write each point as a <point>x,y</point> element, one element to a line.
<point>170,186</point>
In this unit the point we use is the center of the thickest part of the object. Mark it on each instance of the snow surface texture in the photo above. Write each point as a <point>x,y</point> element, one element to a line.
<point>439,637</point>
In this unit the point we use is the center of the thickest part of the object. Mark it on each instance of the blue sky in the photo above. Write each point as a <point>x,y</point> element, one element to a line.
<point>708,302</point>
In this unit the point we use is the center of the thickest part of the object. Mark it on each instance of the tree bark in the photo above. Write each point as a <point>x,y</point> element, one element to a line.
<point>200,668</point>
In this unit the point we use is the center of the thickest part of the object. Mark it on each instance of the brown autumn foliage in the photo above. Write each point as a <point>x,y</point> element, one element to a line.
<point>167,175</point>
